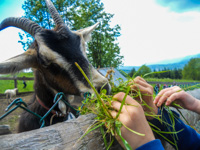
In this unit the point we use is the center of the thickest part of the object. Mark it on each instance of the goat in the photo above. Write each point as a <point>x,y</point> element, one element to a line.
<point>10,93</point>
<point>52,56</point>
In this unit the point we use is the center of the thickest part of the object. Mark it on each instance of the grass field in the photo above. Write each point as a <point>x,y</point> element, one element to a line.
<point>169,80</point>
<point>9,84</point>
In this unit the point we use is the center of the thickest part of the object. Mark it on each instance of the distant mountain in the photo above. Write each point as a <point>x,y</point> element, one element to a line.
<point>170,64</point>
<point>177,60</point>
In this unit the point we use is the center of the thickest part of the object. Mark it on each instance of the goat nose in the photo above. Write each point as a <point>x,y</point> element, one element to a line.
<point>107,87</point>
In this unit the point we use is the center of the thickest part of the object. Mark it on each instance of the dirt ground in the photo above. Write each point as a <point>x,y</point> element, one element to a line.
<point>13,118</point>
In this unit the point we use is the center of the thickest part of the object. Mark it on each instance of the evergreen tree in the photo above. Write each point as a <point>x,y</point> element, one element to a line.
<point>192,69</point>
<point>133,71</point>
<point>103,50</point>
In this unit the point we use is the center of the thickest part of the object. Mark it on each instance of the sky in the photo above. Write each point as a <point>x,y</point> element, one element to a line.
<point>151,30</point>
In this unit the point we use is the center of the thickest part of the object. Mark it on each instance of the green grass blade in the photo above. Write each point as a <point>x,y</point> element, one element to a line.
<point>123,102</point>
<point>127,146</point>
<point>104,138</point>
<point>135,132</point>
<point>97,94</point>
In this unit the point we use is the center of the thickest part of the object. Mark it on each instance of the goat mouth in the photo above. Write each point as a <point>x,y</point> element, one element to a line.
<point>107,87</point>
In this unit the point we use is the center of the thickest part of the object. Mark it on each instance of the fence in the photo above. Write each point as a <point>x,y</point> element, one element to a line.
<point>181,84</point>
<point>15,81</point>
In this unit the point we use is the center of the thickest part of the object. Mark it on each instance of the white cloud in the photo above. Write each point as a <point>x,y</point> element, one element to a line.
<point>151,33</point>
<point>9,46</point>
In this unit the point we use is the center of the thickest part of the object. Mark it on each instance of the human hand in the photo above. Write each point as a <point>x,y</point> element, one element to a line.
<point>146,90</point>
<point>132,116</point>
<point>179,96</point>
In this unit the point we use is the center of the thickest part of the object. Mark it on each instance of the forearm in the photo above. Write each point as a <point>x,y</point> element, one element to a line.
<point>196,107</point>
<point>186,137</point>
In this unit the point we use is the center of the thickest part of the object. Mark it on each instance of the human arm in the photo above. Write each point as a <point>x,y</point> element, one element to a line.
<point>186,137</point>
<point>132,116</point>
<point>179,96</point>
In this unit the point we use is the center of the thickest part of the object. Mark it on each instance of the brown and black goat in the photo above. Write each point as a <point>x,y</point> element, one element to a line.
<point>52,57</point>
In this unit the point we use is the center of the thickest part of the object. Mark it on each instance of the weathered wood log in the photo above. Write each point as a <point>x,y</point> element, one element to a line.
<point>61,136</point>
<point>4,129</point>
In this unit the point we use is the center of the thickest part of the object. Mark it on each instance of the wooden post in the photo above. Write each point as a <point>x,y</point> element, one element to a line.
<point>15,84</point>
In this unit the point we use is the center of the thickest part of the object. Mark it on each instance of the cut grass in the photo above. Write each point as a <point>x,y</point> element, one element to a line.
<point>101,104</point>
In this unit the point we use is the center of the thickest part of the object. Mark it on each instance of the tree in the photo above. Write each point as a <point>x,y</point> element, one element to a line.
<point>143,70</point>
<point>133,71</point>
<point>192,69</point>
<point>103,50</point>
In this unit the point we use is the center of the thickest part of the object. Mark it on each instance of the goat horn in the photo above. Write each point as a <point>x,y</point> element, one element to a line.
<point>22,23</point>
<point>62,28</point>
<point>54,13</point>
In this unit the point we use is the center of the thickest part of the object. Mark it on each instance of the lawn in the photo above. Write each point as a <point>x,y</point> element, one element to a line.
<point>9,84</point>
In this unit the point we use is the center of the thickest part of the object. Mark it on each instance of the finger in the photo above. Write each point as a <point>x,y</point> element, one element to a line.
<point>157,98</point>
<point>116,105</point>
<point>166,95</point>
<point>161,93</point>
<point>143,90</point>
<point>141,81</point>
<point>173,97</point>
<point>113,114</point>
<point>140,78</point>
<point>120,96</point>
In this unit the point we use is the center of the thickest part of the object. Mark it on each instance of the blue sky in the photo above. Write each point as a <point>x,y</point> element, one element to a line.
<point>152,30</point>
<point>180,5</point>
<point>9,38</point>
<point>10,7</point>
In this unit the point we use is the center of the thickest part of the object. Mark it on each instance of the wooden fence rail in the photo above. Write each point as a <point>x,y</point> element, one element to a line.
<point>15,82</point>
<point>15,79</point>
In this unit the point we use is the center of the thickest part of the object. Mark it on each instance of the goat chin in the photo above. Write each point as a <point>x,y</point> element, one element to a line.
<point>70,98</point>
<point>62,107</point>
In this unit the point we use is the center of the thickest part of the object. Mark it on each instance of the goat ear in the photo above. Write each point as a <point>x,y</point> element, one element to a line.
<point>23,61</point>
<point>86,32</point>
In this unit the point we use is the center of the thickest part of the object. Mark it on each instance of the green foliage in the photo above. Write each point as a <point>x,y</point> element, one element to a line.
<point>161,74</point>
<point>133,71</point>
<point>142,70</point>
<point>192,69</point>
<point>103,50</point>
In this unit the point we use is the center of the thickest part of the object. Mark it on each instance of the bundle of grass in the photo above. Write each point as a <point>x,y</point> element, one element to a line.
<point>100,104</point>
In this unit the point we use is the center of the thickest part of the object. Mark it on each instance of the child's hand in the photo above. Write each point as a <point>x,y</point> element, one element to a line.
<point>132,116</point>
<point>146,90</point>
<point>179,96</point>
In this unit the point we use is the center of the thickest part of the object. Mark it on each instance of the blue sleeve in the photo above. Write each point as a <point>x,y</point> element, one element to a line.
<point>152,145</point>
<point>186,138</point>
